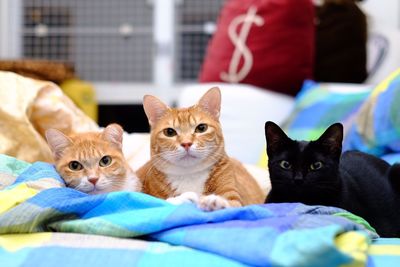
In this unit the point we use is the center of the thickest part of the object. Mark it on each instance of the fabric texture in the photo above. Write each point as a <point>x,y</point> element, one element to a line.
<point>371,118</point>
<point>82,250</point>
<point>27,109</point>
<point>377,126</point>
<point>289,234</point>
<point>30,107</point>
<point>266,43</point>
<point>10,168</point>
<point>319,105</point>
<point>45,70</point>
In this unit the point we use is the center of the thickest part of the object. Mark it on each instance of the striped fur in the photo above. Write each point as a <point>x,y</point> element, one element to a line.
<point>88,149</point>
<point>170,163</point>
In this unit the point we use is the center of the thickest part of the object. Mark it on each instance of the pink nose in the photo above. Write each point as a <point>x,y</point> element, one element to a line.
<point>186,146</point>
<point>93,180</point>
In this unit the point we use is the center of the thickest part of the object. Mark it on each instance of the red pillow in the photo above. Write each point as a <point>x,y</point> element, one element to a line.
<point>267,43</point>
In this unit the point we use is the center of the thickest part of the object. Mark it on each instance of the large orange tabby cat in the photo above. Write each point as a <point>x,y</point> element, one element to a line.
<point>93,162</point>
<point>188,160</point>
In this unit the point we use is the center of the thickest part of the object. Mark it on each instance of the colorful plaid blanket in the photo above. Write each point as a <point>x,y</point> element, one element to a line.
<point>42,223</point>
<point>377,126</point>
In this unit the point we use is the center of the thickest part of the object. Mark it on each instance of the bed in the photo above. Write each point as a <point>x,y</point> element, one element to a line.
<point>43,223</point>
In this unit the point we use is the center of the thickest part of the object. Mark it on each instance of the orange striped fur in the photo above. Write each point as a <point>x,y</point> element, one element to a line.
<point>203,168</point>
<point>88,149</point>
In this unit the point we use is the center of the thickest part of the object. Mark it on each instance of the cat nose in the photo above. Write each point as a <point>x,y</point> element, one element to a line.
<point>186,146</point>
<point>93,180</point>
<point>298,181</point>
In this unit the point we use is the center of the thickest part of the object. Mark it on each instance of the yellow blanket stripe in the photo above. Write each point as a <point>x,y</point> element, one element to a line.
<point>392,250</point>
<point>15,196</point>
<point>354,244</point>
<point>385,83</point>
<point>14,242</point>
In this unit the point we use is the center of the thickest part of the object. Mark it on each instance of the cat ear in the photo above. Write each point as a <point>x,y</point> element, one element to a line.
<point>57,142</point>
<point>154,108</point>
<point>211,102</point>
<point>332,138</point>
<point>113,133</point>
<point>274,136</point>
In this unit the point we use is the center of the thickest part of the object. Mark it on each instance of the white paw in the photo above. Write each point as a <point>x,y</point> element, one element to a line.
<point>187,197</point>
<point>213,202</point>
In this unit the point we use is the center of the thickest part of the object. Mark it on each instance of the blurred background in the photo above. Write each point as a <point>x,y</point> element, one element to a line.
<point>123,49</point>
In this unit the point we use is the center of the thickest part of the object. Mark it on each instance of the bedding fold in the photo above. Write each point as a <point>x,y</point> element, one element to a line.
<point>288,234</point>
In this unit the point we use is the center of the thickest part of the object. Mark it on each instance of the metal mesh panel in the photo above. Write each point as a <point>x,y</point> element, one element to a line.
<point>195,26</point>
<point>113,40</point>
<point>105,40</point>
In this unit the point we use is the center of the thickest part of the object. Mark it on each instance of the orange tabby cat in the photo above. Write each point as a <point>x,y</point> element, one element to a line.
<point>93,162</point>
<point>188,160</point>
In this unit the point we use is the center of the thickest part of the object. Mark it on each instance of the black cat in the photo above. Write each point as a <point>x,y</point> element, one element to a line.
<point>317,173</point>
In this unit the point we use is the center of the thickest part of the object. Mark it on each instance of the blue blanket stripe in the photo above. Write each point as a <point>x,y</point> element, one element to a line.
<point>258,235</point>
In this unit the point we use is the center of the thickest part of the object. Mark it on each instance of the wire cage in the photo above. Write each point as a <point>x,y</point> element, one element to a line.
<point>116,40</point>
<point>104,40</point>
<point>197,20</point>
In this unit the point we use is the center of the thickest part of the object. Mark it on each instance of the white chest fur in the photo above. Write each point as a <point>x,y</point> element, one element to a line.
<point>193,182</point>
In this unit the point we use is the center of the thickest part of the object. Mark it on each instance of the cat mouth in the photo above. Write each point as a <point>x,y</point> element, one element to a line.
<point>91,191</point>
<point>95,191</point>
<point>188,156</point>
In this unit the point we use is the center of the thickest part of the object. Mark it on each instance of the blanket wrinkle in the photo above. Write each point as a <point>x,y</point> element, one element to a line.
<point>257,235</point>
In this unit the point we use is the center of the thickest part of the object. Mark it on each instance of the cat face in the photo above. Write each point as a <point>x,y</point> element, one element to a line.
<point>302,170</point>
<point>90,162</point>
<point>186,137</point>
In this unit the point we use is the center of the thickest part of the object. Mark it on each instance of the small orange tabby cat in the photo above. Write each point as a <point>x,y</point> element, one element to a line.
<point>93,162</point>
<point>188,160</point>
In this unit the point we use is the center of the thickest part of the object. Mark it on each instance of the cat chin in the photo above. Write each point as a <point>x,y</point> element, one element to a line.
<point>188,161</point>
<point>92,190</point>
<point>188,157</point>
<point>186,167</point>
<point>97,192</point>
<point>185,162</point>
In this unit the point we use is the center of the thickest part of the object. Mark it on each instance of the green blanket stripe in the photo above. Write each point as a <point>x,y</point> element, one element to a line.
<point>12,166</point>
<point>35,219</point>
<point>356,219</point>
<point>94,226</point>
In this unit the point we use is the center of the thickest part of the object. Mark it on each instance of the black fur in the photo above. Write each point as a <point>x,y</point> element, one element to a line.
<point>358,182</point>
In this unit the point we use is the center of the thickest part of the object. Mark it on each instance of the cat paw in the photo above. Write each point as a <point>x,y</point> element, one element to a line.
<point>187,197</point>
<point>213,202</point>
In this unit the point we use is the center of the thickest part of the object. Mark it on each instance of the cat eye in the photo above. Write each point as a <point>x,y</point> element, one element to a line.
<point>105,161</point>
<point>169,132</point>
<point>75,166</point>
<point>316,166</point>
<point>285,165</point>
<point>201,128</point>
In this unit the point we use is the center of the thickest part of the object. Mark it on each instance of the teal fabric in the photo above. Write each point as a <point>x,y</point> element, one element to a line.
<point>257,235</point>
<point>377,127</point>
<point>317,107</point>
<point>12,166</point>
